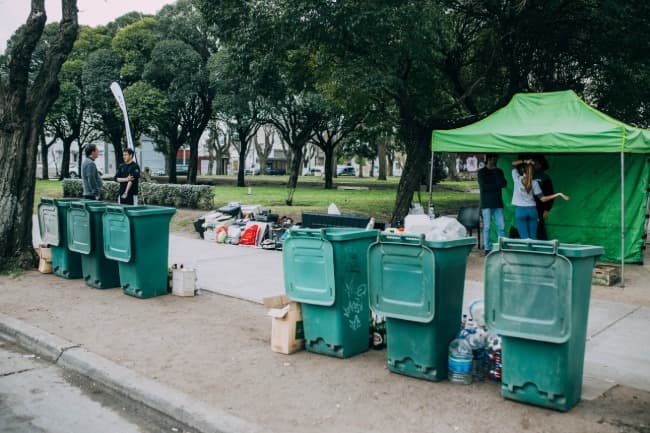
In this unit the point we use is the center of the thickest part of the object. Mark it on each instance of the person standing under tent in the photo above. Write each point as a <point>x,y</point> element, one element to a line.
<point>128,175</point>
<point>472,163</point>
<point>545,183</point>
<point>491,181</point>
<point>525,190</point>
<point>92,181</point>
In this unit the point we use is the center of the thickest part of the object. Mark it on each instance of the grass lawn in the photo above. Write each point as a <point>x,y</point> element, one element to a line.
<point>47,188</point>
<point>377,201</point>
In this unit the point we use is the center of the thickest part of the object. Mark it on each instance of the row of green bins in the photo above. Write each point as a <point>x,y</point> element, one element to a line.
<point>85,236</point>
<point>52,220</point>
<point>326,270</point>
<point>418,286</point>
<point>537,298</point>
<point>138,238</point>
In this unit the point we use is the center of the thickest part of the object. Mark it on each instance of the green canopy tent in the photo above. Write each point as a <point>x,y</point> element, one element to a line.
<point>600,162</point>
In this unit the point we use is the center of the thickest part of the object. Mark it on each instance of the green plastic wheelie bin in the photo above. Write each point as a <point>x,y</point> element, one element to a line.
<point>53,221</point>
<point>138,238</point>
<point>418,286</point>
<point>326,271</point>
<point>85,236</point>
<point>537,298</point>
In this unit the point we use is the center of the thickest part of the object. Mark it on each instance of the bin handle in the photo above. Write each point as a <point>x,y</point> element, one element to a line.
<point>529,245</point>
<point>389,238</point>
<point>307,233</point>
<point>116,209</point>
<point>77,205</point>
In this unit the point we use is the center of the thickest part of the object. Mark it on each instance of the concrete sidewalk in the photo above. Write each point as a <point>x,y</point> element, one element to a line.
<point>206,360</point>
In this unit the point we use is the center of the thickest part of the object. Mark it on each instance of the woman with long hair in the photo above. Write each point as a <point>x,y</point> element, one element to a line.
<point>526,188</point>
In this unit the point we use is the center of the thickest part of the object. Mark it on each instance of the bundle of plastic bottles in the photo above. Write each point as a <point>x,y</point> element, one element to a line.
<point>377,338</point>
<point>475,353</point>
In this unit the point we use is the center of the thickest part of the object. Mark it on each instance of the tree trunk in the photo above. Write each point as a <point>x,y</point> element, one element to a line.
<point>418,153</point>
<point>22,112</point>
<point>45,169</point>
<point>65,159</point>
<point>296,162</point>
<point>381,156</point>
<point>329,157</point>
<point>243,147</point>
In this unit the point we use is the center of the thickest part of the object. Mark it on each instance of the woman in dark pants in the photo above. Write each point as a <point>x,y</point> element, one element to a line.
<point>545,183</point>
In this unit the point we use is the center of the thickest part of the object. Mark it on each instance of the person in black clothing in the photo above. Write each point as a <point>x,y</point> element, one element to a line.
<point>545,183</point>
<point>128,174</point>
<point>491,181</point>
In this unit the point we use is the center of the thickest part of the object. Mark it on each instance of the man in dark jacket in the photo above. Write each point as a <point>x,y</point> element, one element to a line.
<point>491,181</point>
<point>128,174</point>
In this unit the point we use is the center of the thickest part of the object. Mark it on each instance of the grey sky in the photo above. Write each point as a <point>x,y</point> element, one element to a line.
<point>13,13</point>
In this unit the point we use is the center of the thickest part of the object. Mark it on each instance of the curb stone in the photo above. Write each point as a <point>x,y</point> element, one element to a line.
<point>126,382</point>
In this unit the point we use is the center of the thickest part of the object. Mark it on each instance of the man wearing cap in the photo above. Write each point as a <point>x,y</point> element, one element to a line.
<point>491,181</point>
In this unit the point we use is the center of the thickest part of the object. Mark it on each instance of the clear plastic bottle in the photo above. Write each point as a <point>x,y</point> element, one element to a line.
<point>460,362</point>
<point>476,341</point>
<point>477,312</point>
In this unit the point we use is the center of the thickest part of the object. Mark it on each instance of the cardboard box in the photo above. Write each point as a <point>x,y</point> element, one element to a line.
<point>287,333</point>
<point>606,274</point>
<point>183,282</point>
<point>45,253</point>
<point>277,301</point>
<point>45,266</point>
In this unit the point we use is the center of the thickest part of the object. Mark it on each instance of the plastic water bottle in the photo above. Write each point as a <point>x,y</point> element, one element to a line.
<point>476,342</point>
<point>477,312</point>
<point>460,362</point>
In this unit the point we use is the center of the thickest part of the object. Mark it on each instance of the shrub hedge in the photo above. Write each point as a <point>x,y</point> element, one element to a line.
<point>161,194</point>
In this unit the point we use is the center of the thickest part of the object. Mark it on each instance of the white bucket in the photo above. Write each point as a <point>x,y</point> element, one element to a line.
<point>183,282</point>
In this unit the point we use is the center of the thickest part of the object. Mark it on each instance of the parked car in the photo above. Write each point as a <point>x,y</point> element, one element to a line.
<point>315,171</point>
<point>275,171</point>
<point>182,169</point>
<point>346,171</point>
<point>251,171</point>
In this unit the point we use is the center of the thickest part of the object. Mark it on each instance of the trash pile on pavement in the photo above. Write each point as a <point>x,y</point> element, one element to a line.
<point>249,225</point>
<point>475,353</point>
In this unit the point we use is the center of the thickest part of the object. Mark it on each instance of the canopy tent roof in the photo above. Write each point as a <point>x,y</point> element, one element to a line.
<point>554,122</point>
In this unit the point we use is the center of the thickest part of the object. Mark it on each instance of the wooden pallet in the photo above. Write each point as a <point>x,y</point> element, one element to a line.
<point>606,274</point>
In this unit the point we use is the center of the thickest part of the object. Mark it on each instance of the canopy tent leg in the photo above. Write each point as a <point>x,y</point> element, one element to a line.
<point>430,209</point>
<point>622,219</point>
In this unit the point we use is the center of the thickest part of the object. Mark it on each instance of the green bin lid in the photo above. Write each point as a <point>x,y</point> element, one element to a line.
<point>95,206</point>
<point>147,210</point>
<point>401,277</point>
<point>116,229</point>
<point>78,228</point>
<point>528,289</point>
<point>341,234</point>
<point>48,222</point>
<point>65,202</point>
<point>308,265</point>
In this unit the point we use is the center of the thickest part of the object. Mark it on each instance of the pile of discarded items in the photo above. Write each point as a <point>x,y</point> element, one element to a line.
<point>248,225</point>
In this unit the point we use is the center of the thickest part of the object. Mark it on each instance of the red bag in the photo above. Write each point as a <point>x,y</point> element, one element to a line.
<point>249,236</point>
